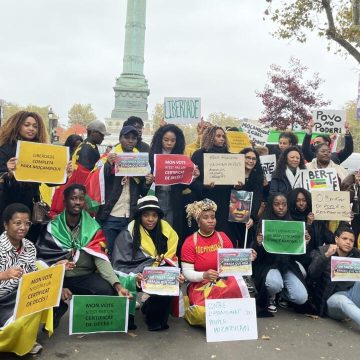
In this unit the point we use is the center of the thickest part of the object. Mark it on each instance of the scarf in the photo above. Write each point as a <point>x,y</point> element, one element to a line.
<point>294,180</point>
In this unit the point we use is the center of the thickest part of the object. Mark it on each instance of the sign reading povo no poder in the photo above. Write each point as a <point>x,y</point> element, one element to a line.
<point>39,290</point>
<point>41,163</point>
<point>329,121</point>
<point>224,169</point>
<point>182,110</point>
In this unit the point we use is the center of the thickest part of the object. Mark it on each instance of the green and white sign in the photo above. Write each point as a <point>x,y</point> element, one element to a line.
<point>284,237</point>
<point>182,111</point>
<point>94,314</point>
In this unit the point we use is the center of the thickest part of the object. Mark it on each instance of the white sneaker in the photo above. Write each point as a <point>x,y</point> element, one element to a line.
<point>36,349</point>
<point>272,305</point>
<point>137,305</point>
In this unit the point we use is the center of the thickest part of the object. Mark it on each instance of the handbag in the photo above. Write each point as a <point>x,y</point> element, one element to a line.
<point>40,213</point>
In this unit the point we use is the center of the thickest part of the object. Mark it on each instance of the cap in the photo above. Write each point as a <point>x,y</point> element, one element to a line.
<point>148,202</point>
<point>97,125</point>
<point>128,129</point>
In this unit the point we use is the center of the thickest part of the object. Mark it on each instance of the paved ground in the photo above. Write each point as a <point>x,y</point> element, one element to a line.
<point>292,336</point>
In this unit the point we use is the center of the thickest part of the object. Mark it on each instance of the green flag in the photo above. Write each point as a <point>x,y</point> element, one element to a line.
<point>284,237</point>
<point>94,313</point>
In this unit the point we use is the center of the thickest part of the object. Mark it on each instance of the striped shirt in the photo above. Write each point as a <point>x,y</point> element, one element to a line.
<point>10,257</point>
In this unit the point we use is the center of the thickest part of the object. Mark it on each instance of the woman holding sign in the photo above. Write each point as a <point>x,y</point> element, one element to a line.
<point>25,126</point>
<point>17,257</point>
<point>147,241</point>
<point>277,273</point>
<point>200,266</point>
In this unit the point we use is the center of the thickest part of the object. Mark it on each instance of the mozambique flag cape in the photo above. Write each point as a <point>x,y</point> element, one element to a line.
<point>224,288</point>
<point>55,242</point>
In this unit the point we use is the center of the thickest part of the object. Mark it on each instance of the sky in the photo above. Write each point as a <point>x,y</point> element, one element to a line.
<point>62,52</point>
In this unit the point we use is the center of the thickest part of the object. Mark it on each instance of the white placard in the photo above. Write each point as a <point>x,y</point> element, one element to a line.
<point>256,133</point>
<point>320,179</point>
<point>329,121</point>
<point>268,163</point>
<point>230,319</point>
<point>352,163</point>
<point>182,110</point>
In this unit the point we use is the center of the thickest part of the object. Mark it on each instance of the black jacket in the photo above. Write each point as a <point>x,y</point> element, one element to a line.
<point>320,272</point>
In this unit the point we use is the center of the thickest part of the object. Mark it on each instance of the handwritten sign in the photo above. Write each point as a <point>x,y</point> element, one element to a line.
<point>41,163</point>
<point>224,169</point>
<point>256,133</point>
<point>233,262</point>
<point>230,319</point>
<point>173,169</point>
<point>331,205</point>
<point>329,121</point>
<point>237,141</point>
<point>96,314</point>
<point>268,163</point>
<point>132,164</point>
<point>284,237</point>
<point>182,110</point>
<point>39,290</point>
<point>240,206</point>
<point>161,280</point>
<point>345,269</point>
<point>320,179</point>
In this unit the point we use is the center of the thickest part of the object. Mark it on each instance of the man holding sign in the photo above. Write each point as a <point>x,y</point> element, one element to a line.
<point>338,300</point>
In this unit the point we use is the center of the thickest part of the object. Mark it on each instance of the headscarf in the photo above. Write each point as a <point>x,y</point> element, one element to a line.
<point>195,209</point>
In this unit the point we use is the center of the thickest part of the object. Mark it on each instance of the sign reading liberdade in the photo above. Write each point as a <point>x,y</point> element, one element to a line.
<point>345,269</point>
<point>161,280</point>
<point>39,290</point>
<point>232,262</point>
<point>41,163</point>
<point>224,169</point>
<point>230,319</point>
<point>182,110</point>
<point>284,237</point>
<point>94,313</point>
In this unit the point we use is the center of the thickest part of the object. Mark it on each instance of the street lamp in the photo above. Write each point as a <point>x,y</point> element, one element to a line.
<point>53,121</point>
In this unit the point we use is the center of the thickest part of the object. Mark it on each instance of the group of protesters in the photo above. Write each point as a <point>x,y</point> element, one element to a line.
<point>105,251</point>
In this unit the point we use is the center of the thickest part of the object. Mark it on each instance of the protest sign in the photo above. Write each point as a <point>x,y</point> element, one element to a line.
<point>182,110</point>
<point>331,205</point>
<point>256,133</point>
<point>352,163</point>
<point>345,269</point>
<point>284,237</point>
<point>320,179</point>
<point>161,280</point>
<point>237,141</point>
<point>268,163</point>
<point>240,206</point>
<point>329,121</point>
<point>173,169</point>
<point>230,319</point>
<point>132,164</point>
<point>39,290</point>
<point>41,163</point>
<point>224,169</point>
<point>96,314</point>
<point>232,262</point>
<point>273,138</point>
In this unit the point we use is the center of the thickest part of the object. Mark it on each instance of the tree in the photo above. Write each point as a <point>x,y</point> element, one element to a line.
<point>157,115</point>
<point>351,108</point>
<point>223,120</point>
<point>338,21</point>
<point>81,114</point>
<point>288,98</point>
<point>75,129</point>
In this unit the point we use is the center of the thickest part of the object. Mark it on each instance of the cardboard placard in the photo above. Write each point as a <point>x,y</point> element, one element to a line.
<point>39,290</point>
<point>224,169</point>
<point>42,163</point>
<point>182,110</point>
<point>284,237</point>
<point>331,205</point>
<point>173,169</point>
<point>230,319</point>
<point>96,314</point>
<point>132,164</point>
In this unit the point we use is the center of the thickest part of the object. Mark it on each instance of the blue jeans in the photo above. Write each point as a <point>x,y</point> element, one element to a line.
<point>112,227</point>
<point>345,304</point>
<point>291,288</point>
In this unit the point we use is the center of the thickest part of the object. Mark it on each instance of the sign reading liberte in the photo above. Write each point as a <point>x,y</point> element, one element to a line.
<point>182,110</point>
<point>41,163</point>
